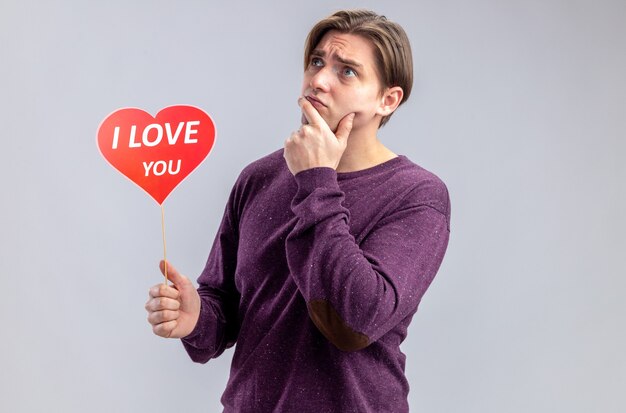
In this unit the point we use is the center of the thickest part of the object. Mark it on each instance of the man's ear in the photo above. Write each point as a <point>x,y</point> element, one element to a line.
<point>390,100</point>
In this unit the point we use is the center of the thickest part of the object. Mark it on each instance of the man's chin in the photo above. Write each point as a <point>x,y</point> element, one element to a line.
<point>332,124</point>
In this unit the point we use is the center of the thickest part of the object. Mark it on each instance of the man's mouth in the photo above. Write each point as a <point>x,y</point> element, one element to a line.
<point>315,102</point>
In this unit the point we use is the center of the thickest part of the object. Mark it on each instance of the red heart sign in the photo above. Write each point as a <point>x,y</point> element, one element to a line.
<point>156,153</point>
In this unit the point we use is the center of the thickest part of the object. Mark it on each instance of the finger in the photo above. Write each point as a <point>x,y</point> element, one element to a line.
<point>305,130</point>
<point>164,316</point>
<point>173,275</point>
<point>162,303</point>
<point>164,329</point>
<point>344,127</point>
<point>162,290</point>
<point>309,113</point>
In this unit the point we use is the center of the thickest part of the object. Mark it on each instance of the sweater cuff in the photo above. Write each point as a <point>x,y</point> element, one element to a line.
<point>319,177</point>
<point>198,334</point>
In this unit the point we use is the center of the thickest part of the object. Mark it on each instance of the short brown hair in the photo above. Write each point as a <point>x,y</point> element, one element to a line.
<point>392,49</point>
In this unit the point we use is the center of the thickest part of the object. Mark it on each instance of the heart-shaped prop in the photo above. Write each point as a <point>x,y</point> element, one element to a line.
<point>156,153</point>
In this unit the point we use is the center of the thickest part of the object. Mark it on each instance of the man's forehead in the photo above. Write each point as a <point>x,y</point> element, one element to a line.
<point>345,46</point>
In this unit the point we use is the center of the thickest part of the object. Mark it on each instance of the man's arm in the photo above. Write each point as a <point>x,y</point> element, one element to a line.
<point>205,319</point>
<point>357,293</point>
<point>218,327</point>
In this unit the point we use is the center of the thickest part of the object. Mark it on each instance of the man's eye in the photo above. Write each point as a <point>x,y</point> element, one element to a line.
<point>316,61</point>
<point>349,72</point>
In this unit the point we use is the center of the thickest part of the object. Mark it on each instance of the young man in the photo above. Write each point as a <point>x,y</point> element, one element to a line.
<point>326,246</point>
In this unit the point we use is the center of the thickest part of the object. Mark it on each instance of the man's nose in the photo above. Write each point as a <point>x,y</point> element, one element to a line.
<point>322,79</point>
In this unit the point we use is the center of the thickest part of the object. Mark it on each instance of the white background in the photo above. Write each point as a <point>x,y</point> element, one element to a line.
<point>519,106</point>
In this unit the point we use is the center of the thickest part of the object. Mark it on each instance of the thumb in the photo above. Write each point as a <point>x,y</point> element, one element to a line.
<point>173,275</point>
<point>344,127</point>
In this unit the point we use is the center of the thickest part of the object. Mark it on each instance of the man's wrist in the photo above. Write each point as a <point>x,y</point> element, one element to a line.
<point>317,177</point>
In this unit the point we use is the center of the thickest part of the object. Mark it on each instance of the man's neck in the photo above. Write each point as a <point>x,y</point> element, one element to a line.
<point>364,151</point>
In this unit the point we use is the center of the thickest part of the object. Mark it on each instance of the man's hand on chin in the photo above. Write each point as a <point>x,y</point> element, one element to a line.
<point>314,144</point>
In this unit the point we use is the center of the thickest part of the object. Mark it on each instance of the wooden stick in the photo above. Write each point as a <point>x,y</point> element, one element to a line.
<point>164,245</point>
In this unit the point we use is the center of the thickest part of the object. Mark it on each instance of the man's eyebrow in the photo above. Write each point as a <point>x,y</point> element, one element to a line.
<point>349,62</point>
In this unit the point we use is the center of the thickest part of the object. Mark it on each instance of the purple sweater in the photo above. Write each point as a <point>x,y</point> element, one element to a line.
<point>316,278</point>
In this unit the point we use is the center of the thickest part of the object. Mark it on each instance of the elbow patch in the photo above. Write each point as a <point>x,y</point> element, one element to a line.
<point>332,326</point>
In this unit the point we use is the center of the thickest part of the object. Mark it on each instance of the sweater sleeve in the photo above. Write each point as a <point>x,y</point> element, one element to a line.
<point>357,293</point>
<point>218,327</point>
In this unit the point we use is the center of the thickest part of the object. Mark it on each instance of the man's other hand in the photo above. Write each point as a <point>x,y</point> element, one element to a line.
<point>173,311</point>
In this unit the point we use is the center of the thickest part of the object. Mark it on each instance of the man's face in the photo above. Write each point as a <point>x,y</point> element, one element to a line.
<point>341,78</point>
